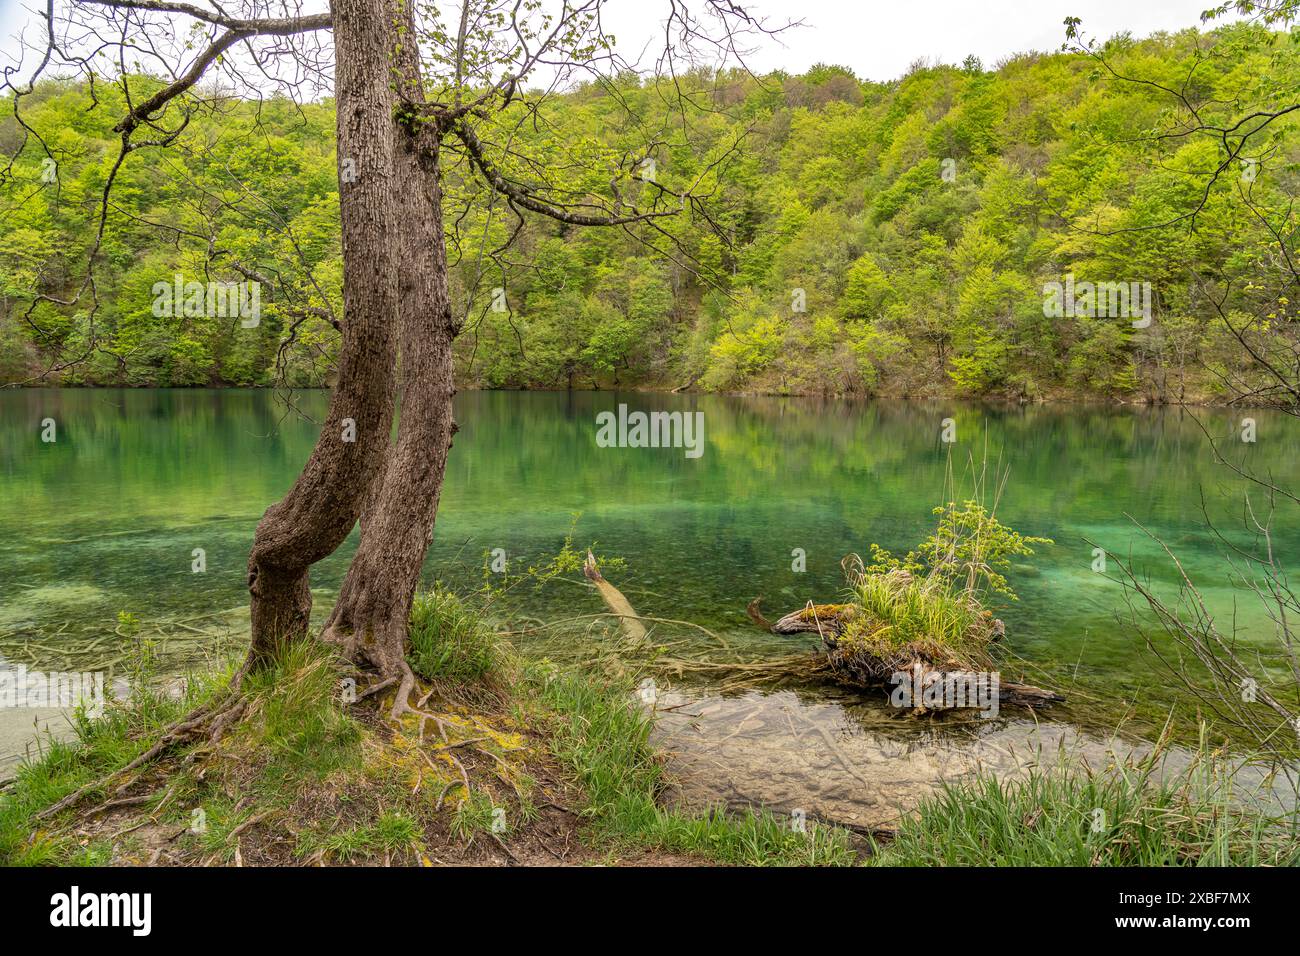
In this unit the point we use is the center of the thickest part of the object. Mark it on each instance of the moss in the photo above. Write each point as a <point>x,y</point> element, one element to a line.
<point>824,612</point>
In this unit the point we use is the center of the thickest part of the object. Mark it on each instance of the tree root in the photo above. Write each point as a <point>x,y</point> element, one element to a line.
<point>214,718</point>
<point>401,701</point>
<point>402,704</point>
<point>211,718</point>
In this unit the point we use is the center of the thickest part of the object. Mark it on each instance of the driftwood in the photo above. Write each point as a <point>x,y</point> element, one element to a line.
<point>813,618</point>
<point>829,620</point>
<point>615,601</point>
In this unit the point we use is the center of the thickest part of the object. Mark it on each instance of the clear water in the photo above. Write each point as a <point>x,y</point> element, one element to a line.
<point>105,519</point>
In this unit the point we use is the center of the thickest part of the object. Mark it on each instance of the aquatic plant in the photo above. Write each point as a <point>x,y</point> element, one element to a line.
<point>927,608</point>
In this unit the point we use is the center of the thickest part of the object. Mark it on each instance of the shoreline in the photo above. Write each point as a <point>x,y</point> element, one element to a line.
<point>565,736</point>
<point>1052,401</point>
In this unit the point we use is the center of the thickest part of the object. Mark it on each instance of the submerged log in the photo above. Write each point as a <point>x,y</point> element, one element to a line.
<point>614,600</point>
<point>1027,695</point>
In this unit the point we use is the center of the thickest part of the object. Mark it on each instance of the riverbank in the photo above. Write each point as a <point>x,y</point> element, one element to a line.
<point>1063,397</point>
<point>512,762</point>
<point>505,763</point>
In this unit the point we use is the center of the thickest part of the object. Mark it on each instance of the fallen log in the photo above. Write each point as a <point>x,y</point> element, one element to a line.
<point>614,600</point>
<point>824,619</point>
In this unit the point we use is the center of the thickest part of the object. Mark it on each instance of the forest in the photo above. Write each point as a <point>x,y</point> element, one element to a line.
<point>442,435</point>
<point>854,238</point>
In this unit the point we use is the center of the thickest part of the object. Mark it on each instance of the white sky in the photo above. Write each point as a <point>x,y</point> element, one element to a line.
<point>877,39</point>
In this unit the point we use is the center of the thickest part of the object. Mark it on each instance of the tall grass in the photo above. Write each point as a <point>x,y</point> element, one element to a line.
<point>449,641</point>
<point>1071,816</point>
<point>899,610</point>
<point>294,720</point>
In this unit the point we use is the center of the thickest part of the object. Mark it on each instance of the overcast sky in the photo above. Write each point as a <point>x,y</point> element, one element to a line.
<point>877,39</point>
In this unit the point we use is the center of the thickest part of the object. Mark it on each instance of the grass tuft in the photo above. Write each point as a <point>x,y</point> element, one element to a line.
<point>391,835</point>
<point>295,724</point>
<point>450,642</point>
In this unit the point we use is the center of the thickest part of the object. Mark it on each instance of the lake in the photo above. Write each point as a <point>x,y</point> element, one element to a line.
<point>106,518</point>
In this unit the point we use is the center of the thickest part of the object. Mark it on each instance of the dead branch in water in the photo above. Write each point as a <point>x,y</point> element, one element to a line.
<point>615,601</point>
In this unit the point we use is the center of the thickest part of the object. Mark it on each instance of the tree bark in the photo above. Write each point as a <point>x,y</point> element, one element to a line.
<point>319,511</point>
<point>370,618</point>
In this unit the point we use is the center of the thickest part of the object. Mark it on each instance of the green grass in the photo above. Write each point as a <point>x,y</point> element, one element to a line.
<point>292,724</point>
<point>1068,816</point>
<point>212,823</point>
<point>448,641</point>
<point>295,722</point>
<point>478,814</point>
<point>604,738</point>
<point>895,613</point>
<point>99,747</point>
<point>392,834</point>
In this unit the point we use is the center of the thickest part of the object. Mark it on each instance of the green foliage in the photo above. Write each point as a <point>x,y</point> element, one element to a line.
<point>933,599</point>
<point>970,549</point>
<point>918,220</point>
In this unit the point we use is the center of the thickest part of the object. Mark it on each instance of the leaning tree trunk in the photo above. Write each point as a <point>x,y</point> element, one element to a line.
<point>370,619</point>
<point>321,508</point>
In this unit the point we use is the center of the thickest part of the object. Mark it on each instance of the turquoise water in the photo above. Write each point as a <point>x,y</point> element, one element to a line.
<point>106,518</point>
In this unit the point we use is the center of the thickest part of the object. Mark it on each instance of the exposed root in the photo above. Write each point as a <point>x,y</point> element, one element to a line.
<point>227,717</point>
<point>376,687</point>
<point>402,703</point>
<point>401,700</point>
<point>212,717</point>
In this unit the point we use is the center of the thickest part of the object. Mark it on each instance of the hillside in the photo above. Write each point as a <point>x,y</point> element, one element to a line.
<point>857,238</point>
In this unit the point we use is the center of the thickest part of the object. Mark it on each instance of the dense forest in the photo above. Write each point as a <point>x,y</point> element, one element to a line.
<point>857,237</point>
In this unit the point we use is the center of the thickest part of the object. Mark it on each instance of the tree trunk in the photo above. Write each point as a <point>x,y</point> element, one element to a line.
<point>319,511</point>
<point>370,619</point>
